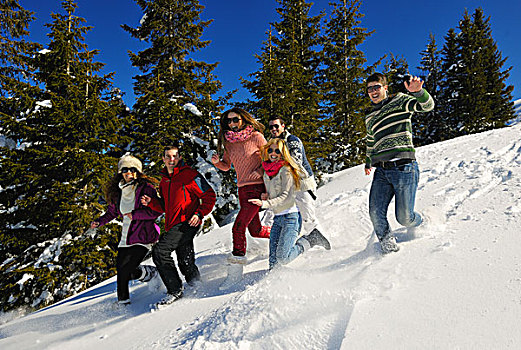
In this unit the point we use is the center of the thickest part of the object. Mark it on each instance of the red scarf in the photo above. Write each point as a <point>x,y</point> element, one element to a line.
<point>272,168</point>
<point>238,136</point>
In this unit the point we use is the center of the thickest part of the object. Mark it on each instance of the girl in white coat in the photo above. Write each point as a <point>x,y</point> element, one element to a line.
<point>282,178</point>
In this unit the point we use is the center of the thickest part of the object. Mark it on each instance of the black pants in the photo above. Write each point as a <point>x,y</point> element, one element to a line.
<point>180,239</point>
<point>127,263</point>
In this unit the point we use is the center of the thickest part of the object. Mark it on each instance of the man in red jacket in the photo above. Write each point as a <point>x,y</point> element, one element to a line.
<point>186,197</point>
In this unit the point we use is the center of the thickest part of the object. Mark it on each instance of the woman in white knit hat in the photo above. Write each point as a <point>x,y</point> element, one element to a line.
<point>139,230</point>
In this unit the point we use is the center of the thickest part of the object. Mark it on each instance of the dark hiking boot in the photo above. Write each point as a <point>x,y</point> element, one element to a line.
<point>170,298</point>
<point>316,238</point>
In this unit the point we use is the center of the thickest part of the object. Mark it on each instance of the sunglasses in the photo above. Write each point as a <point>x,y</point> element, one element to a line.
<point>126,170</point>
<point>233,120</point>
<point>373,88</point>
<point>274,126</point>
<point>276,150</point>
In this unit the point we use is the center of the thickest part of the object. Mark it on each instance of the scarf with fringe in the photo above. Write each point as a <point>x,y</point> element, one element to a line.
<point>238,136</point>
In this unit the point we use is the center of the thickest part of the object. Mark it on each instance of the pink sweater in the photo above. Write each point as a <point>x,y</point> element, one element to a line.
<point>245,157</point>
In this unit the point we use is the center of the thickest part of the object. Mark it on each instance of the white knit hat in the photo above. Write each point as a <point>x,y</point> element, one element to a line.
<point>128,161</point>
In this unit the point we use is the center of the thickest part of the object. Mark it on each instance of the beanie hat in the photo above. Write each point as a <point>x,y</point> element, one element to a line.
<point>128,161</point>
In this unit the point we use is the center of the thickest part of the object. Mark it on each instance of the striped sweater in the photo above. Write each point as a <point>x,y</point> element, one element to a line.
<point>389,130</point>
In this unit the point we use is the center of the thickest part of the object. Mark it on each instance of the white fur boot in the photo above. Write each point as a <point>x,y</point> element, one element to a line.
<point>234,276</point>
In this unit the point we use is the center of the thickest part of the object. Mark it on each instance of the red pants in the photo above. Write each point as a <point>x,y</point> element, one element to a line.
<point>248,217</point>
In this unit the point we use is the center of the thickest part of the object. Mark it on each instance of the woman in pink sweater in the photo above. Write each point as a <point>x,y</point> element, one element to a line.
<point>240,138</point>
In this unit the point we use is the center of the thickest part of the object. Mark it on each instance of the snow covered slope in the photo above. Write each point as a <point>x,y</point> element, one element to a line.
<point>457,285</point>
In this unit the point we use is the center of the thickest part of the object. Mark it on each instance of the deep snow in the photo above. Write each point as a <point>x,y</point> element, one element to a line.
<point>456,285</point>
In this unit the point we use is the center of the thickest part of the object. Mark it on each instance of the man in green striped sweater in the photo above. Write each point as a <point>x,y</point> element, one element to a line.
<point>391,151</point>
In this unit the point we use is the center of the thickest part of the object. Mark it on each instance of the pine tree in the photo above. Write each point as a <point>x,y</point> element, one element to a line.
<point>17,91</point>
<point>450,88</point>
<point>15,52</point>
<point>174,92</point>
<point>428,127</point>
<point>485,99</point>
<point>291,62</point>
<point>396,69</point>
<point>266,86</point>
<point>57,168</point>
<point>345,100</point>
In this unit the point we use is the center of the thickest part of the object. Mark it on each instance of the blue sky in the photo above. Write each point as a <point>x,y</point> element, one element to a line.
<point>239,28</point>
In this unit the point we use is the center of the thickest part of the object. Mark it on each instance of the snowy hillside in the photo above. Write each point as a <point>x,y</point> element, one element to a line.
<point>457,285</point>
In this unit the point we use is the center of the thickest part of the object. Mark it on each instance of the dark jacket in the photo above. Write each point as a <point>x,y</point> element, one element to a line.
<point>297,151</point>
<point>143,229</point>
<point>184,193</point>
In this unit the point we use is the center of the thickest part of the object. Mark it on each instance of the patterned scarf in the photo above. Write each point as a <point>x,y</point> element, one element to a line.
<point>239,136</point>
<point>272,168</point>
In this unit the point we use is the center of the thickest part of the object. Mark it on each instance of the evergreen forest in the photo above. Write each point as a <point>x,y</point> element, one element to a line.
<point>64,124</point>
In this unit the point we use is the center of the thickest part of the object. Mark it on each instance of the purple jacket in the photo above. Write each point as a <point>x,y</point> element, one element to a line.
<point>143,228</point>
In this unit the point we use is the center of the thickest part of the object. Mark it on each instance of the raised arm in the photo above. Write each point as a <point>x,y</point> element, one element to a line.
<point>225,164</point>
<point>424,101</point>
<point>109,215</point>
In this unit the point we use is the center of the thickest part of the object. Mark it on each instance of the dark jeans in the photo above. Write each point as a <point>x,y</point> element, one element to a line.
<point>127,263</point>
<point>180,239</point>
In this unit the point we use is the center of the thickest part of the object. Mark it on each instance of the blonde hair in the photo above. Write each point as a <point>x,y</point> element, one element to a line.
<point>294,167</point>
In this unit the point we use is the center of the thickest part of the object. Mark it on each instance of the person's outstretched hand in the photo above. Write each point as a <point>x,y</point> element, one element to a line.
<point>255,201</point>
<point>415,84</point>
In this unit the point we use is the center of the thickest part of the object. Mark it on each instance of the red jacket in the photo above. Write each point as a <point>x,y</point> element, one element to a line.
<point>183,193</point>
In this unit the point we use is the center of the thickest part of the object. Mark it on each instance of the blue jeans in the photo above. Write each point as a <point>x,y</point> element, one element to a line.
<point>400,182</point>
<point>283,235</point>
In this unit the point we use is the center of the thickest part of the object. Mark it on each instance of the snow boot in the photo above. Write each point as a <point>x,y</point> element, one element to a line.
<point>234,276</point>
<point>194,285</point>
<point>316,238</point>
<point>415,231</point>
<point>170,298</point>
<point>148,272</point>
<point>237,259</point>
<point>156,284</point>
<point>389,245</point>
<point>120,305</point>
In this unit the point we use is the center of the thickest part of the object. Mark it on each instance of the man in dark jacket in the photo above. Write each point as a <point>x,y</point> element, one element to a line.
<point>186,197</point>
